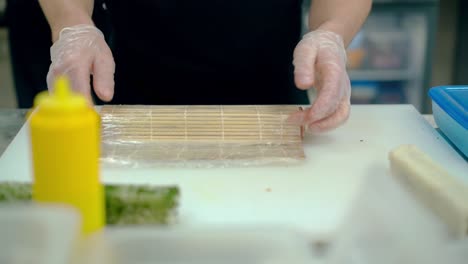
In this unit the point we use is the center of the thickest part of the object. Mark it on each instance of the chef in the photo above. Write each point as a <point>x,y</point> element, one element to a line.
<point>210,52</point>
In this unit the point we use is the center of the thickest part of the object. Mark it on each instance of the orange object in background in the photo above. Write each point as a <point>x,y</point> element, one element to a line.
<point>355,58</point>
<point>65,134</point>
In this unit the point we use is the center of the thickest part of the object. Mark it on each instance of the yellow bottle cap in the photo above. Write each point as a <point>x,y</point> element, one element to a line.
<point>62,99</point>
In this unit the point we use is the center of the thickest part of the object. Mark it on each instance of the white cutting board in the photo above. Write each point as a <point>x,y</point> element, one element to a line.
<point>313,197</point>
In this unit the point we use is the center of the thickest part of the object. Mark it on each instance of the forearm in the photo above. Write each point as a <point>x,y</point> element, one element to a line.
<point>344,17</point>
<point>65,13</point>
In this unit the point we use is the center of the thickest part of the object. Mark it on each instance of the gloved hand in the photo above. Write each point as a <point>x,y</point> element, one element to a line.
<point>79,52</point>
<point>320,62</point>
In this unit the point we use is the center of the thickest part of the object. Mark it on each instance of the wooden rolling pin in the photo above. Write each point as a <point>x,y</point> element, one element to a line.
<point>444,194</point>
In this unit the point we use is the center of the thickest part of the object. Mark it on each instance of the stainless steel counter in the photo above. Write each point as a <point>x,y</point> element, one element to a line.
<point>11,120</point>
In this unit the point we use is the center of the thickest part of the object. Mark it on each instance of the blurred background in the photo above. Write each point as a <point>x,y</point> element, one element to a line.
<point>405,47</point>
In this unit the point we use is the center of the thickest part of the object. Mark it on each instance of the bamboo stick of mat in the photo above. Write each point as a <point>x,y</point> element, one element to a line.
<point>200,132</point>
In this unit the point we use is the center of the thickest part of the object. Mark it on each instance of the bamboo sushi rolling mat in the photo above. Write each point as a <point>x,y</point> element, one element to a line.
<point>135,135</point>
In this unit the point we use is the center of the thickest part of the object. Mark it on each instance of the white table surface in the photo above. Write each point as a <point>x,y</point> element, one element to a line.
<point>313,197</point>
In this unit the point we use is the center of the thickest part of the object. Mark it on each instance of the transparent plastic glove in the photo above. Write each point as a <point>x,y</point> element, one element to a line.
<point>79,52</point>
<point>320,62</point>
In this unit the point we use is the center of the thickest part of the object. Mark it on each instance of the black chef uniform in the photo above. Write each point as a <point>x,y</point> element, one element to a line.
<point>205,52</point>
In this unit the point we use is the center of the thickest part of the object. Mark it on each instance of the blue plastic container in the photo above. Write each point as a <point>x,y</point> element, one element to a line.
<point>450,109</point>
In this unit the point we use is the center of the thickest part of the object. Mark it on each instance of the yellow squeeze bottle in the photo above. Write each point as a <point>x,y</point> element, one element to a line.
<point>65,140</point>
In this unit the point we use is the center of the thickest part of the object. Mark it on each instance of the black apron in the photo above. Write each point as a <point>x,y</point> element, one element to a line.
<point>205,52</point>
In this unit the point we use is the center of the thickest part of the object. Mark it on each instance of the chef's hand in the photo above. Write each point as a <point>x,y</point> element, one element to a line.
<point>79,52</point>
<point>320,62</point>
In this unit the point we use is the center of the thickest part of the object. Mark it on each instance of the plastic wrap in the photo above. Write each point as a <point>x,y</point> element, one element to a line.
<point>38,233</point>
<point>195,245</point>
<point>199,136</point>
<point>388,225</point>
